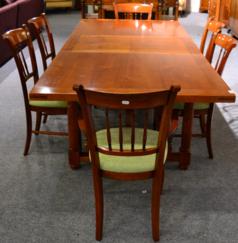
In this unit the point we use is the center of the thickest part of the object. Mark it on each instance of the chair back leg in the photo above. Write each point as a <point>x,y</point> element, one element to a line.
<point>38,122</point>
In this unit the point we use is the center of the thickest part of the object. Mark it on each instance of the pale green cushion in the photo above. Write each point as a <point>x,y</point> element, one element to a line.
<point>49,104</point>
<point>128,164</point>
<point>196,106</point>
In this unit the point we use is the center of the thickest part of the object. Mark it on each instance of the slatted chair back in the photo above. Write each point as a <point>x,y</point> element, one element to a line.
<point>213,27</point>
<point>126,106</point>
<point>225,44</point>
<point>18,39</point>
<point>133,10</point>
<point>122,150</point>
<point>166,7</point>
<point>40,28</point>
<point>21,45</point>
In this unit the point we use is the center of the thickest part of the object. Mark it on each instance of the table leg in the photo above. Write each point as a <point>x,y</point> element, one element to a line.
<point>74,135</point>
<point>185,155</point>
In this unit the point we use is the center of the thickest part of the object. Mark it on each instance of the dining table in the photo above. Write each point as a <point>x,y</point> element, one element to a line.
<point>131,56</point>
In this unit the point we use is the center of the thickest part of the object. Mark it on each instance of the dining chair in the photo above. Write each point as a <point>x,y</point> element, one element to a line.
<point>204,111</point>
<point>123,150</point>
<point>17,40</point>
<point>133,10</point>
<point>212,28</point>
<point>168,9</point>
<point>41,31</point>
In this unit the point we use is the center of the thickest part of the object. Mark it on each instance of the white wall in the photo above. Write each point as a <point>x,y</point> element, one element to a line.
<point>195,4</point>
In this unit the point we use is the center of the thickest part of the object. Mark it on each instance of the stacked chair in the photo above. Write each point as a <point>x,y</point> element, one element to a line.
<point>203,111</point>
<point>17,40</point>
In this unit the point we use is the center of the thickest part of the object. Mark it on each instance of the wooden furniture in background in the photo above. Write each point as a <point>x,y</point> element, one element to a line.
<point>91,9</point>
<point>182,5</point>
<point>220,9</point>
<point>233,21</point>
<point>204,5</point>
<point>128,56</point>
<point>133,10</point>
<point>168,9</point>
<point>104,8</point>
<point>58,4</point>
<point>124,151</point>
<point>77,4</point>
<point>18,39</point>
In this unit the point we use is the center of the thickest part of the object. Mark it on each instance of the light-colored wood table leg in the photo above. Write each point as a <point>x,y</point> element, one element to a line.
<point>185,154</point>
<point>74,135</point>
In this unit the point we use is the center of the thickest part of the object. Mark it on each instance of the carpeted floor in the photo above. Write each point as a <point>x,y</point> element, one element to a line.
<point>43,200</point>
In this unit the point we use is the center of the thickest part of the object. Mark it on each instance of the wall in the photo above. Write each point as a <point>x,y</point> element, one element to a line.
<point>195,4</point>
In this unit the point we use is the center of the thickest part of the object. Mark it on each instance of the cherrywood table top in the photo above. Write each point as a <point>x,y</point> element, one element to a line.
<point>125,56</point>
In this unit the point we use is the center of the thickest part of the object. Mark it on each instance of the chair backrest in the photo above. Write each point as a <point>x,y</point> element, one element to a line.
<point>168,9</point>
<point>225,43</point>
<point>40,28</point>
<point>213,27</point>
<point>133,10</point>
<point>126,111</point>
<point>18,39</point>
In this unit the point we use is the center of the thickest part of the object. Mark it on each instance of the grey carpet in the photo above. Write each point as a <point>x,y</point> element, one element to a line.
<point>43,200</point>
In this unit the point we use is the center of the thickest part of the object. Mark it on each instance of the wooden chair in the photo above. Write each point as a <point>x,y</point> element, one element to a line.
<point>204,111</point>
<point>212,27</point>
<point>132,10</point>
<point>123,150</point>
<point>40,29</point>
<point>17,40</point>
<point>166,7</point>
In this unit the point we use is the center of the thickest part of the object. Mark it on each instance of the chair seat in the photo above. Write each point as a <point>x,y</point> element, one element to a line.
<point>128,164</point>
<point>48,104</point>
<point>197,106</point>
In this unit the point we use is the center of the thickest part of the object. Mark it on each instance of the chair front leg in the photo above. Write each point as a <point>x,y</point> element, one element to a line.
<point>157,185</point>
<point>28,131</point>
<point>209,131</point>
<point>98,192</point>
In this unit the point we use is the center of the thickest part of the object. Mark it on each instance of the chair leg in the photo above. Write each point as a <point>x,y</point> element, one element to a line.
<point>162,184</point>
<point>208,132</point>
<point>45,118</point>
<point>202,124</point>
<point>38,122</point>
<point>98,191</point>
<point>155,204</point>
<point>28,132</point>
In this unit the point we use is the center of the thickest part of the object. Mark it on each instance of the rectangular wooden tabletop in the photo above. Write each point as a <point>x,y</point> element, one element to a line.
<point>126,56</point>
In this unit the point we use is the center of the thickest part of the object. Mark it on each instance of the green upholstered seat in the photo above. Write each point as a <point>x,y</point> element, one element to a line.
<point>49,104</point>
<point>196,106</point>
<point>128,164</point>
